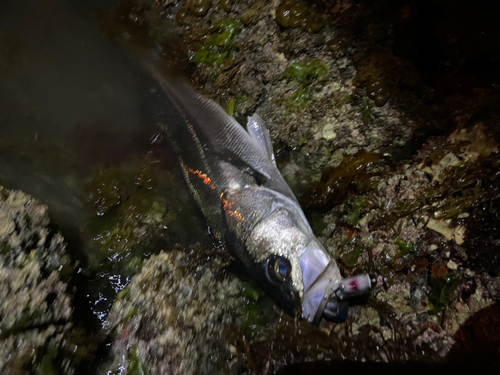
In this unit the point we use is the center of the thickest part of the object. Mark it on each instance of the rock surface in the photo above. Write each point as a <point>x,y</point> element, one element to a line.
<point>36,333</point>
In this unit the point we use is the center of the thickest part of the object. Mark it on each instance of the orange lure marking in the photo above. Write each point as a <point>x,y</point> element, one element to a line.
<point>229,209</point>
<point>206,180</point>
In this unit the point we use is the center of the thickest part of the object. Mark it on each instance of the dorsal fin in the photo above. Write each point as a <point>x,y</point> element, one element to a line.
<point>260,134</point>
<point>216,131</point>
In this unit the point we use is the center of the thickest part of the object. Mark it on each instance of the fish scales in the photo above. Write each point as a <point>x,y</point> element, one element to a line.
<point>246,201</point>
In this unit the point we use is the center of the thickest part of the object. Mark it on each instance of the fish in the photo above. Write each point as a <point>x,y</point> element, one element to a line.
<point>232,175</point>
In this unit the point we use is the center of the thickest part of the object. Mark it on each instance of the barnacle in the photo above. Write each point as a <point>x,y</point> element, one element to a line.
<point>459,184</point>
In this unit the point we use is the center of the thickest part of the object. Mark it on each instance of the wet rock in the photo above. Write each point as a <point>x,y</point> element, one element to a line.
<point>176,318</point>
<point>366,98</point>
<point>36,332</point>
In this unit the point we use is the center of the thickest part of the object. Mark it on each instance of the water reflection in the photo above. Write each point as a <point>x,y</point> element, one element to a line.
<point>71,106</point>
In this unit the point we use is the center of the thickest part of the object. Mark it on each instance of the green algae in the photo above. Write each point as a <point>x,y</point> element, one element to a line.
<point>27,319</point>
<point>306,71</point>
<point>130,208</point>
<point>46,366</point>
<point>350,250</point>
<point>351,256</point>
<point>217,47</point>
<point>134,363</point>
<point>237,105</point>
<point>353,217</point>
<point>136,264</point>
<point>251,293</point>
<point>230,107</point>
<point>366,109</point>
<point>123,294</point>
<point>405,248</point>
<point>255,319</point>
<point>300,98</point>
<point>442,291</point>
<point>254,316</point>
<point>317,222</point>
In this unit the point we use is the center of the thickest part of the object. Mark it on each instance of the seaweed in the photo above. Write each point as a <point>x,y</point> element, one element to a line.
<point>300,98</point>
<point>306,71</point>
<point>352,218</point>
<point>405,248</point>
<point>351,249</point>
<point>199,7</point>
<point>134,362</point>
<point>351,256</point>
<point>46,366</point>
<point>230,107</point>
<point>295,14</point>
<point>442,291</point>
<point>366,109</point>
<point>255,318</point>
<point>379,74</point>
<point>462,188</point>
<point>333,188</point>
<point>218,46</point>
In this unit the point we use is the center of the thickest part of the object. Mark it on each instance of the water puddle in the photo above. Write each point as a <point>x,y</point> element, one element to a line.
<point>78,134</point>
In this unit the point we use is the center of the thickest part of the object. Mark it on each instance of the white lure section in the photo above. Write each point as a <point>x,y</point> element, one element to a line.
<point>260,135</point>
<point>318,270</point>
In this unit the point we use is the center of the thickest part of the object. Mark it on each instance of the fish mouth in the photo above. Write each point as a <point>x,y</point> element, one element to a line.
<point>325,292</point>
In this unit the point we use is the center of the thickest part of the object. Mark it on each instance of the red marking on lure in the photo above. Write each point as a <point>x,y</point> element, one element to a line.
<point>229,208</point>
<point>353,285</point>
<point>206,180</point>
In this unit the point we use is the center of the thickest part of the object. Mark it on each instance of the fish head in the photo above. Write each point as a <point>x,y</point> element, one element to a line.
<point>307,280</point>
<point>291,265</point>
<point>276,276</point>
<point>280,252</point>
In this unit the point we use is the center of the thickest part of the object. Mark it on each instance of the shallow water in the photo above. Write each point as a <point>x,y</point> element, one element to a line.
<point>71,101</point>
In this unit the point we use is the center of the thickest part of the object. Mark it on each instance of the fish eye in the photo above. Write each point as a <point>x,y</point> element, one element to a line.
<point>278,269</point>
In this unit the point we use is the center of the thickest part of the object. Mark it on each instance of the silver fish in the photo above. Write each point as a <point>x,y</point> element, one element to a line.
<point>233,176</point>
